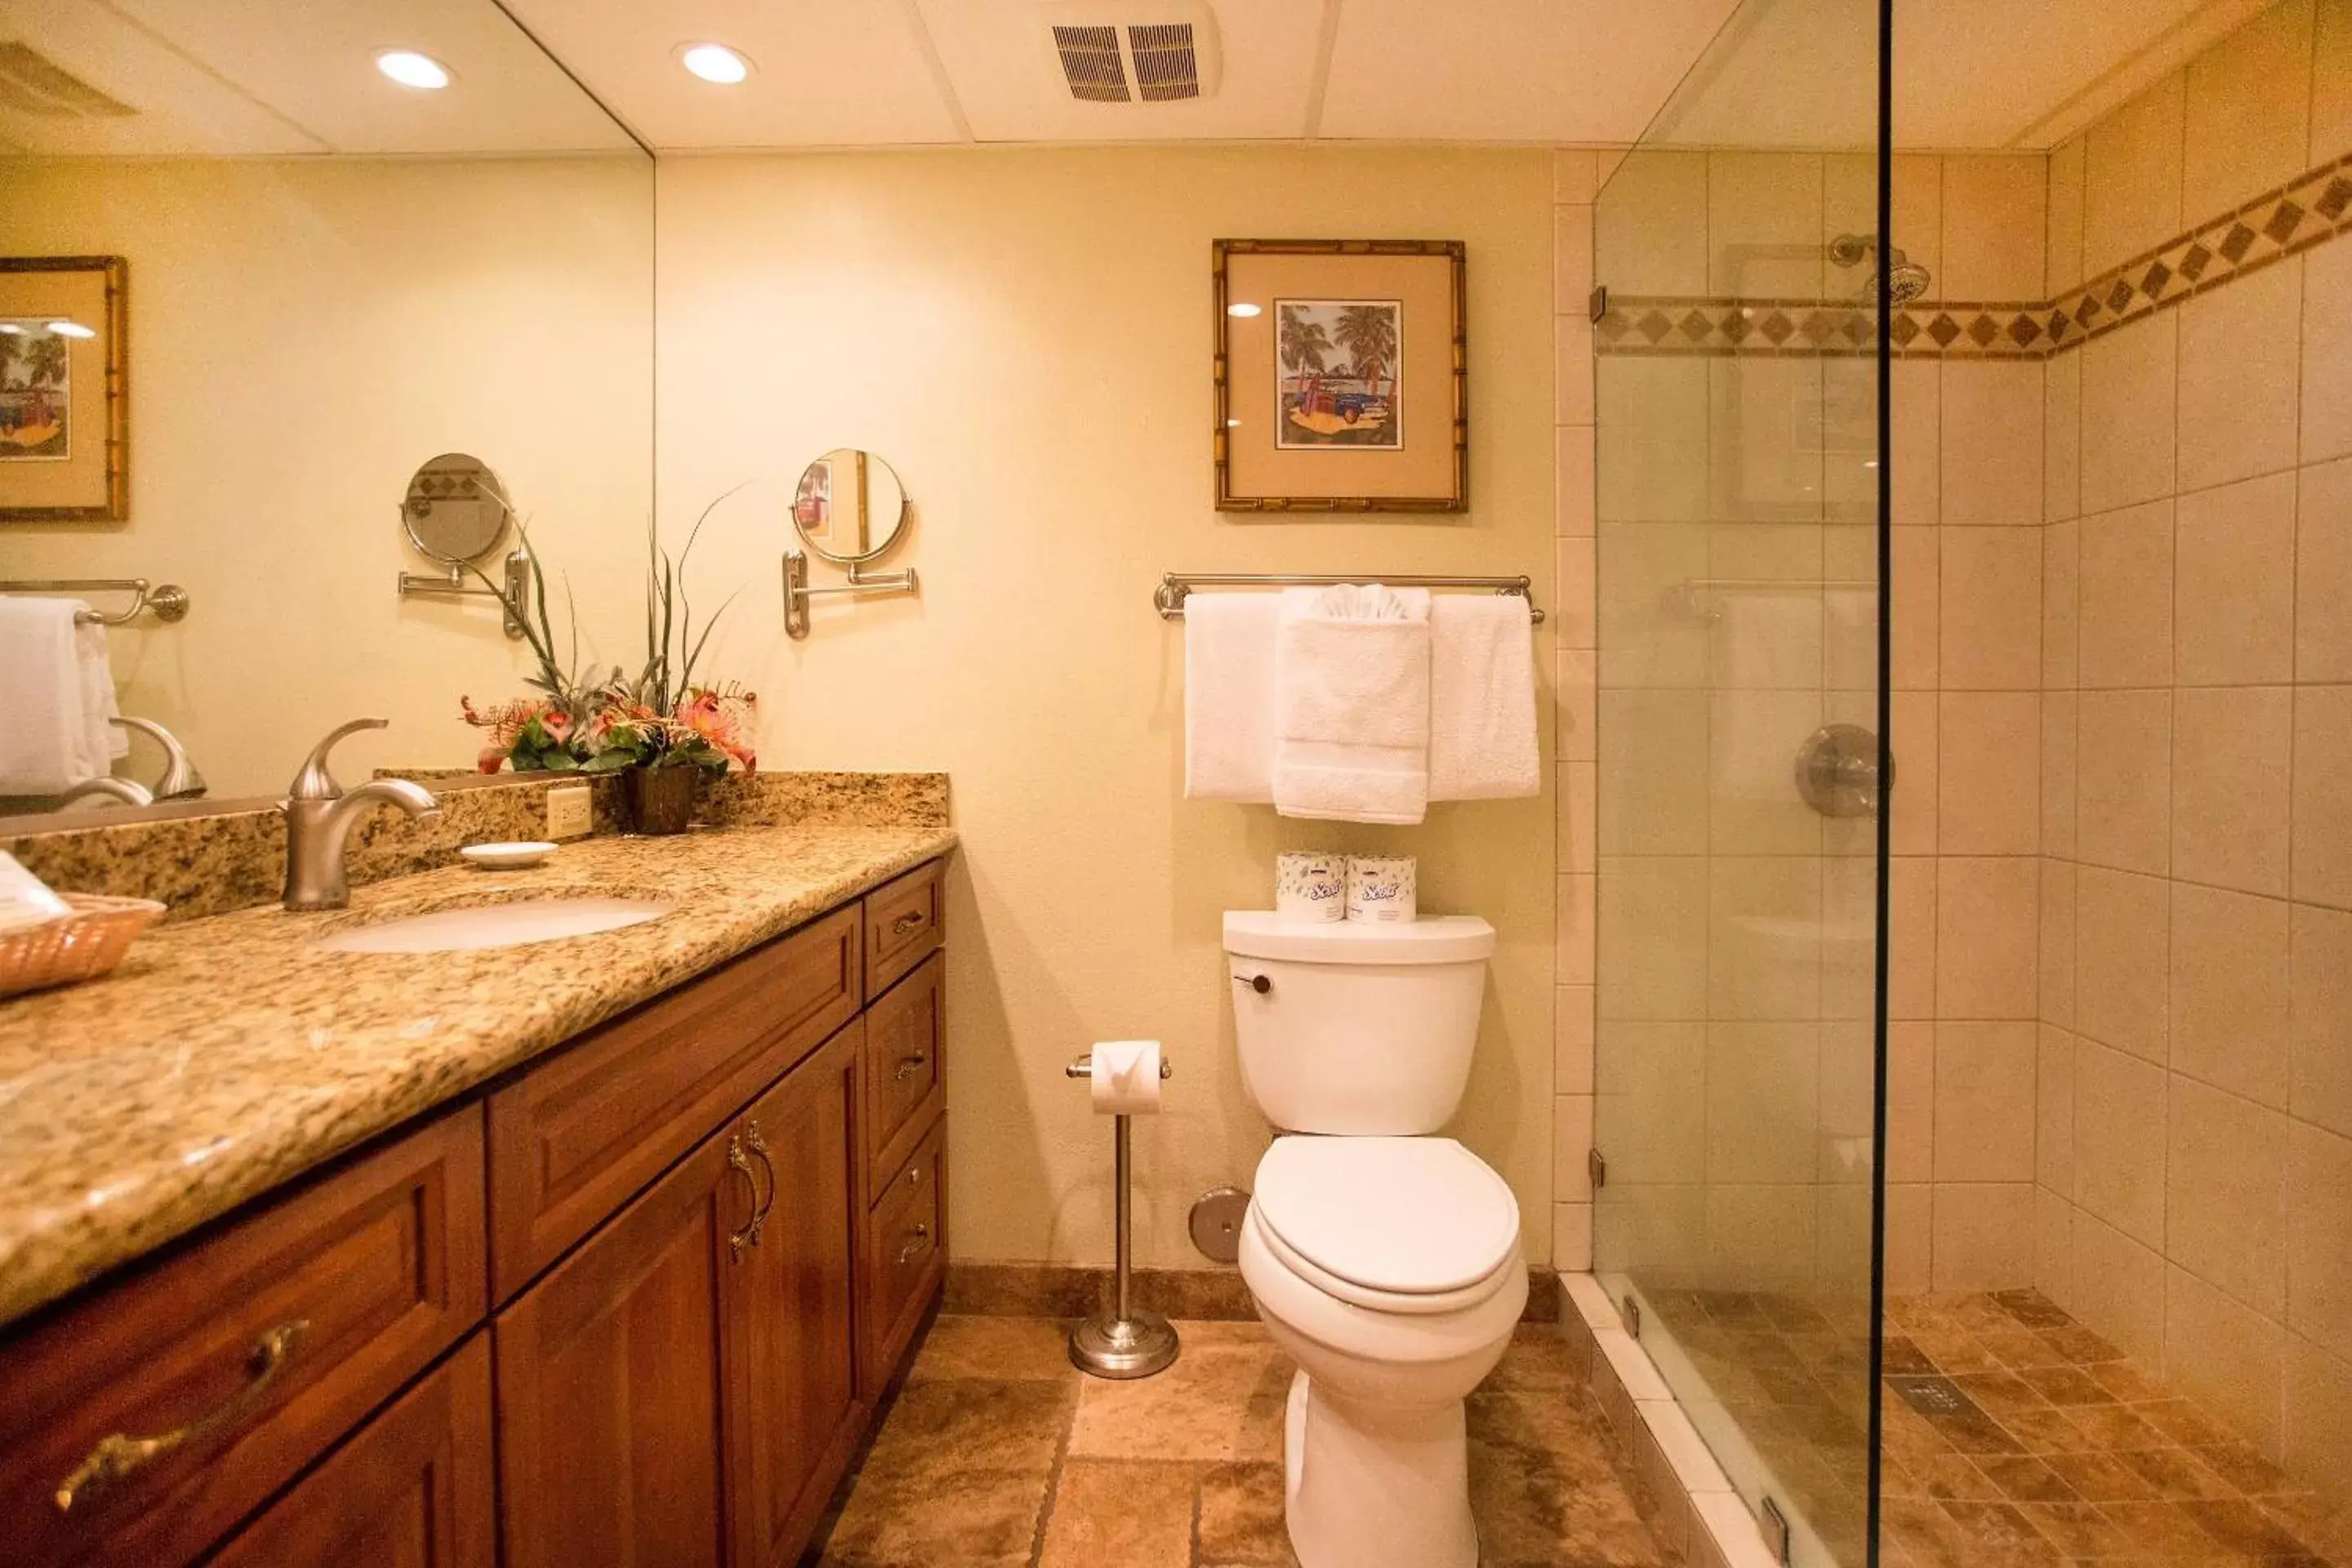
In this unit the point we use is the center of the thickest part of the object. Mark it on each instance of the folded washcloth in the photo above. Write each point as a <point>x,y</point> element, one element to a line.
<point>1482,698</point>
<point>1229,695</point>
<point>45,745</point>
<point>1351,704</point>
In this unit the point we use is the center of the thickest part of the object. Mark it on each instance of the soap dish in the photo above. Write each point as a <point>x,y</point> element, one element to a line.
<point>508,857</point>
<point>81,946</point>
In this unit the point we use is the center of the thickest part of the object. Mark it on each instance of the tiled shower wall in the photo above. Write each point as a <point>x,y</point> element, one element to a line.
<point>2194,1149</point>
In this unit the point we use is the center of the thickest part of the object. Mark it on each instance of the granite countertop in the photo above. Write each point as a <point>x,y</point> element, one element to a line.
<point>227,1055</point>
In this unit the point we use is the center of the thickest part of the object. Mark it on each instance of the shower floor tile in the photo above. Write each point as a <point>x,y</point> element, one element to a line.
<point>2014,1435</point>
<point>995,1450</point>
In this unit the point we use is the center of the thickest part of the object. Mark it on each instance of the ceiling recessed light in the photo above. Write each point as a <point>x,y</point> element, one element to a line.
<point>1242,309</point>
<point>714,63</point>
<point>410,69</point>
<point>72,329</point>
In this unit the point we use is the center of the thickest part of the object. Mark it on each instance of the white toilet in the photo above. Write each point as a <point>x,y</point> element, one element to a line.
<point>1384,1261</point>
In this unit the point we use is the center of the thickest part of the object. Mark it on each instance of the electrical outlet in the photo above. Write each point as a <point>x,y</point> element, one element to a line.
<point>567,811</point>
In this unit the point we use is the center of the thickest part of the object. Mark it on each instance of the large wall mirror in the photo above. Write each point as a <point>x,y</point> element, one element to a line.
<point>332,270</point>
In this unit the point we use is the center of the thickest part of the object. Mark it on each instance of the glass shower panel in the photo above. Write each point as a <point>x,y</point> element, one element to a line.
<point>1738,518</point>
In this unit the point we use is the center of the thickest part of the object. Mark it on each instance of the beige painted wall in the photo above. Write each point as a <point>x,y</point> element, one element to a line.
<point>1024,335</point>
<point>304,335</point>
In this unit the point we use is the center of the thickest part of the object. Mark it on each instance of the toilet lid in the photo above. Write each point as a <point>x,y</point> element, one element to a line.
<point>1406,1217</point>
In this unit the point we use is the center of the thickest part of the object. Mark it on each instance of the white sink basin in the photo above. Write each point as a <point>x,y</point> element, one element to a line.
<point>495,925</point>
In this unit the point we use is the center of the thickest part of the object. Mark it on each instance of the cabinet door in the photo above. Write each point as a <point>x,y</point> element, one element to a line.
<point>797,1421</point>
<point>411,1490</point>
<point>612,1374</point>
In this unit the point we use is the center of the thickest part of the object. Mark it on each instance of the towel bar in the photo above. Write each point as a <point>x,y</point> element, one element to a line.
<point>1175,586</point>
<point>168,600</point>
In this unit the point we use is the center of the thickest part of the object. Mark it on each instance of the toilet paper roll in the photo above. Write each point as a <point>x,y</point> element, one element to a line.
<point>1309,887</point>
<point>1383,888</point>
<point>1126,1077</point>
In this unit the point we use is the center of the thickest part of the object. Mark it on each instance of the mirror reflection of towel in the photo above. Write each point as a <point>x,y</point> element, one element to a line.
<point>54,709</point>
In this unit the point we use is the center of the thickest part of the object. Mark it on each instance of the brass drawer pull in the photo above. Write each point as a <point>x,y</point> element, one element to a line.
<point>910,1065</point>
<point>759,1146</point>
<point>918,1242</point>
<point>749,1236</point>
<point>121,1456</point>
<point>906,923</point>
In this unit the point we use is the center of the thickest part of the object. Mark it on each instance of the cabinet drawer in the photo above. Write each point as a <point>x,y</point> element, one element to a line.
<point>904,1090</point>
<point>905,923</point>
<point>577,1136</point>
<point>413,1486</point>
<point>906,1254</point>
<point>139,1426</point>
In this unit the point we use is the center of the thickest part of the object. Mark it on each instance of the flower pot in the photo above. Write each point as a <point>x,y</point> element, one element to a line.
<point>662,800</point>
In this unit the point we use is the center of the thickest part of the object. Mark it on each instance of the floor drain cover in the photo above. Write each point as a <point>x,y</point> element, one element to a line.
<point>1929,1396</point>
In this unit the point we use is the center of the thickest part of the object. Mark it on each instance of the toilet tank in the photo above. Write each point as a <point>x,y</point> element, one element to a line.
<point>1356,1026</point>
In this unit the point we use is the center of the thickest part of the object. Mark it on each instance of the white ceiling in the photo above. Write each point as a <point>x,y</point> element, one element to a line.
<point>249,77</point>
<point>297,76</point>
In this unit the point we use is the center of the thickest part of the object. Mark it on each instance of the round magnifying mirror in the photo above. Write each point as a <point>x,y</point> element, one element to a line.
<point>849,506</point>
<point>456,509</point>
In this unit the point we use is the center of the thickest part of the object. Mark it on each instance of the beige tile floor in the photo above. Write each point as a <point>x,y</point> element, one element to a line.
<point>996,1451</point>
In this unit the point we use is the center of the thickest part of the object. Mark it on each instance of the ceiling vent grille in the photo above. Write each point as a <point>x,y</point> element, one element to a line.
<point>1132,51</point>
<point>32,83</point>
<point>1166,69</point>
<point>1090,61</point>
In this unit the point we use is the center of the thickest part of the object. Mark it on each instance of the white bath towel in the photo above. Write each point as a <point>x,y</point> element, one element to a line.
<point>1482,698</point>
<point>45,745</point>
<point>1229,695</point>
<point>102,740</point>
<point>1351,704</point>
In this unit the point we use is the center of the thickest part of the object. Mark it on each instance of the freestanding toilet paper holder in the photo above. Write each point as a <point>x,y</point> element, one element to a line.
<point>1125,1342</point>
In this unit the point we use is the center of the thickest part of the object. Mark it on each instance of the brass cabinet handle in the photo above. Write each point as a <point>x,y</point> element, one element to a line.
<point>737,1160</point>
<point>910,1065</point>
<point>759,1146</point>
<point>120,1456</point>
<point>906,922</point>
<point>918,1242</point>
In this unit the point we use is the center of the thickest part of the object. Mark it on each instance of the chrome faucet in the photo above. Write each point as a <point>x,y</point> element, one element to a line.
<point>319,815</point>
<point>124,791</point>
<point>180,781</point>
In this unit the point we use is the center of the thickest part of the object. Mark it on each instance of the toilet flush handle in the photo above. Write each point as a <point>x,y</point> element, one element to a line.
<point>1260,983</point>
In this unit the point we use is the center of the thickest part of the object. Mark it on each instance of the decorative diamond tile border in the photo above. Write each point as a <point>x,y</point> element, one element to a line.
<point>2309,210</point>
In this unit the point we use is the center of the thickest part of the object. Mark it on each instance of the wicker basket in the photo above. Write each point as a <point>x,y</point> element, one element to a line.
<point>82,945</point>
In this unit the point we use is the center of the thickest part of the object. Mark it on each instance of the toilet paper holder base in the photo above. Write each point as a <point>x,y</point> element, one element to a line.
<point>1125,1341</point>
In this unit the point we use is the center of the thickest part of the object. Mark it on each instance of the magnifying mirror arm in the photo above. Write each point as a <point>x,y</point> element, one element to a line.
<point>514,595</point>
<point>797,591</point>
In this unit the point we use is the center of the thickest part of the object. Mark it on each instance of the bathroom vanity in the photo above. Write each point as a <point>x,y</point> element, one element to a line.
<point>630,1294</point>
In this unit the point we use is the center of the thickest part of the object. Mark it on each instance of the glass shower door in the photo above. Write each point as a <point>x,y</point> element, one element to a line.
<point>1737,438</point>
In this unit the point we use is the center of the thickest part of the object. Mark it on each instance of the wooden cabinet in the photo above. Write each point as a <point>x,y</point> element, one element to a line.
<point>795,1416</point>
<point>612,1374</point>
<point>139,1424</point>
<point>689,1248</point>
<point>906,920</point>
<point>905,1092</point>
<point>411,1490</point>
<point>579,1132</point>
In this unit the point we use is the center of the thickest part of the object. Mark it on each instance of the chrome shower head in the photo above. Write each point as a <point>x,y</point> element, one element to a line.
<point>1905,279</point>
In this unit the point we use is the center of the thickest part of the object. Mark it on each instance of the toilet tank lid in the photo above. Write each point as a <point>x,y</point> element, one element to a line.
<point>1431,939</point>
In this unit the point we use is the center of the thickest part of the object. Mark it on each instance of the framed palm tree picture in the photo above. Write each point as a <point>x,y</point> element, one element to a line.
<point>1342,377</point>
<point>64,452</point>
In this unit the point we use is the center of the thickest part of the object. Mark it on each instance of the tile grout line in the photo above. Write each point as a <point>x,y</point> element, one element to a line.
<point>1054,1480</point>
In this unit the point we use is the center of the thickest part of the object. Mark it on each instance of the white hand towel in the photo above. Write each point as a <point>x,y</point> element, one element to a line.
<point>1351,704</point>
<point>1229,695</point>
<point>44,741</point>
<point>1482,698</point>
<point>102,740</point>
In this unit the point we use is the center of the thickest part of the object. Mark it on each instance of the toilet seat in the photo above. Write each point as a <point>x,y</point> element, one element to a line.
<point>1406,1225</point>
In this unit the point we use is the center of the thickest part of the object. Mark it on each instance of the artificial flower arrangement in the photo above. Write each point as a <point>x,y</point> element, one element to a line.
<point>663,730</point>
